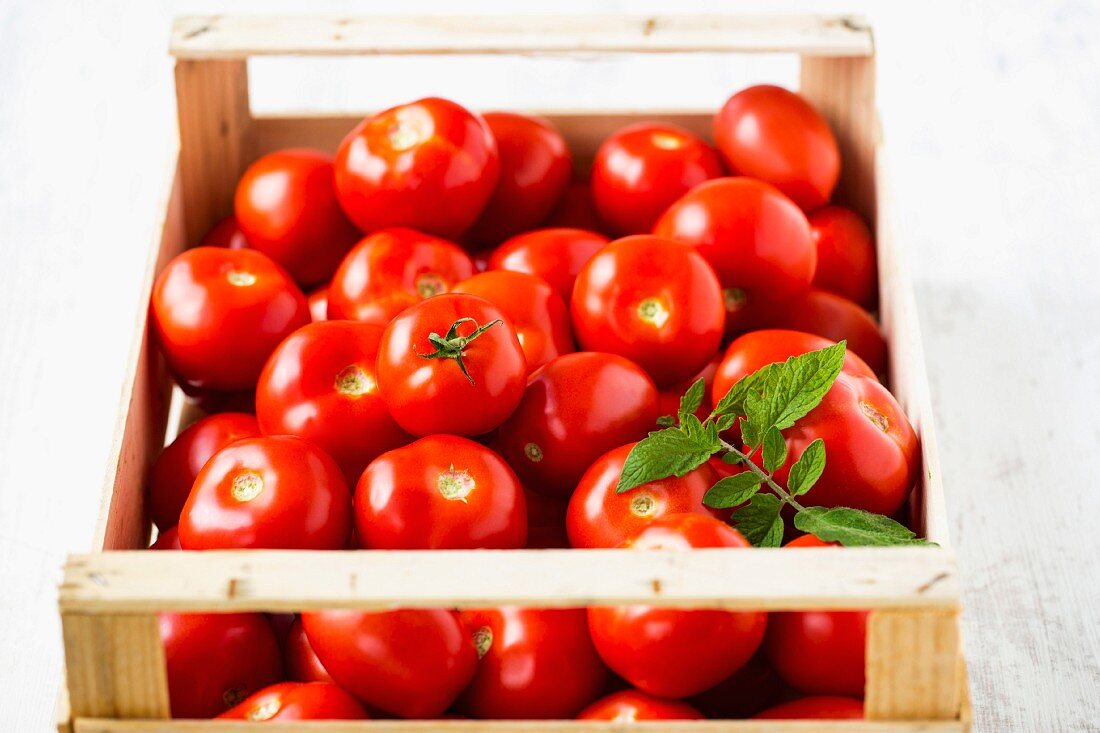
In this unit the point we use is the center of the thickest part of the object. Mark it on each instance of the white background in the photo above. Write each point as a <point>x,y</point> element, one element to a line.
<point>992,115</point>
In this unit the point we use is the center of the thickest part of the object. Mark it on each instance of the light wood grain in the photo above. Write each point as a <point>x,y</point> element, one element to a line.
<point>913,670</point>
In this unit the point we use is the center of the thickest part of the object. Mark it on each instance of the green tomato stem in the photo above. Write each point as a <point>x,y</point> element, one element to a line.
<point>766,477</point>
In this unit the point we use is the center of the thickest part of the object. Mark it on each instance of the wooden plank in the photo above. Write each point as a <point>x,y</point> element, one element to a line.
<point>115,665</point>
<point>234,37</point>
<point>273,580</point>
<point>912,665</point>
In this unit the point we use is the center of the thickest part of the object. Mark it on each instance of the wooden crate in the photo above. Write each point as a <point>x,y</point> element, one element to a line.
<point>114,660</point>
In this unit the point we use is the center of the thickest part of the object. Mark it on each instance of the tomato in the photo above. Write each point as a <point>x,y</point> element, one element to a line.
<point>412,663</point>
<point>451,364</point>
<point>808,540</point>
<point>226,233</point>
<point>442,492</point>
<point>218,313</point>
<point>534,664</point>
<point>215,660</point>
<point>576,209</point>
<point>575,409</point>
<point>168,539</point>
<point>273,493</point>
<point>298,701</point>
<point>836,318</point>
<point>755,238</point>
<point>753,351</point>
<point>671,652</point>
<point>391,270</point>
<point>641,169</point>
<point>430,164</point>
<point>816,708</point>
<point>746,692</point>
<point>628,706</point>
<point>846,262</point>
<point>555,255</point>
<point>775,135</point>
<point>535,168</point>
<point>302,664</point>
<point>532,306</point>
<point>653,301</point>
<point>600,517</point>
<point>819,652</point>
<point>321,384</point>
<point>318,304</point>
<point>668,402</point>
<point>174,472</point>
<point>286,207</point>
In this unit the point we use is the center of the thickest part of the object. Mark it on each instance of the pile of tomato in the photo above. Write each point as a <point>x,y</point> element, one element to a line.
<point>442,338</point>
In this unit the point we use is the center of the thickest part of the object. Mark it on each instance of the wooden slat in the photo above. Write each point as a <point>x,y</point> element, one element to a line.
<point>228,37</point>
<point>913,665</point>
<point>115,666</point>
<point>290,581</point>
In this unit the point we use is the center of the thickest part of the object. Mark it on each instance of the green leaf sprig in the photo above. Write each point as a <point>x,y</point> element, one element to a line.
<point>766,402</point>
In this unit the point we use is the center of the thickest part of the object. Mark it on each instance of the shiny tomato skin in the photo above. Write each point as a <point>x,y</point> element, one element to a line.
<point>273,492</point>
<point>576,209</point>
<point>318,304</point>
<point>756,239</point>
<point>168,539</point>
<point>302,664</point>
<point>298,701</point>
<point>576,408</point>
<point>427,396</point>
<point>218,314</point>
<point>535,664</point>
<point>286,207</point>
<point>215,660</point>
<point>821,707</point>
<point>846,262</point>
<point>321,384</point>
<point>775,135</point>
<point>556,255</point>
<point>629,706</point>
<point>668,402</point>
<point>430,164</point>
<point>442,492</point>
<point>535,310</point>
<point>819,652</point>
<point>176,468</point>
<point>535,168</point>
<point>392,269</point>
<point>641,169</point>
<point>833,317</point>
<point>671,652</point>
<point>226,233</point>
<point>653,301</point>
<point>412,663</point>
<point>599,517</point>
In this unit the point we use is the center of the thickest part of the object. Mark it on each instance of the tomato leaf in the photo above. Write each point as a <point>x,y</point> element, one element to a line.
<point>732,490</point>
<point>775,449</point>
<point>668,452</point>
<point>760,522</point>
<point>733,403</point>
<point>794,388</point>
<point>692,399</point>
<point>807,469</point>
<point>854,527</point>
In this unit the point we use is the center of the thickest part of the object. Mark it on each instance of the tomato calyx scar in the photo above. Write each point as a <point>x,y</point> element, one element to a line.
<point>533,452</point>
<point>881,421</point>
<point>455,485</point>
<point>353,381</point>
<point>734,299</point>
<point>643,505</point>
<point>453,346</point>
<point>265,710</point>
<point>428,284</point>
<point>483,640</point>
<point>247,485</point>
<point>240,278</point>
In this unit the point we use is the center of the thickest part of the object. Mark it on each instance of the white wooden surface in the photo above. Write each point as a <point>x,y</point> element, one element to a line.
<point>992,112</point>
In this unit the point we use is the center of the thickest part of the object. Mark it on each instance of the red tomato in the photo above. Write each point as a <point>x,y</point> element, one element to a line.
<point>218,313</point>
<point>429,164</point>
<point>391,270</point>
<point>668,402</point>
<point>653,301</point>
<point>286,207</point>
<point>846,262</point>
<point>819,652</point>
<point>302,664</point>
<point>466,380</point>
<point>629,706</point>
<point>746,692</point>
<point>175,470</point>
<point>535,664</point>
<point>815,708</point>
<point>532,306</point>
<point>298,701</point>
<point>836,318</point>
<point>215,660</point>
<point>226,233</point>
<point>555,255</point>
<point>535,168</point>
<point>755,238</point>
<point>168,539</point>
<point>576,209</point>
<point>670,652</point>
<point>318,304</point>
<point>600,517</point>
<point>775,135</point>
<point>576,408</point>
<point>755,350</point>
<point>412,663</point>
<point>641,169</point>
<point>808,540</point>
<point>440,493</point>
<point>321,384</point>
<point>272,493</point>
